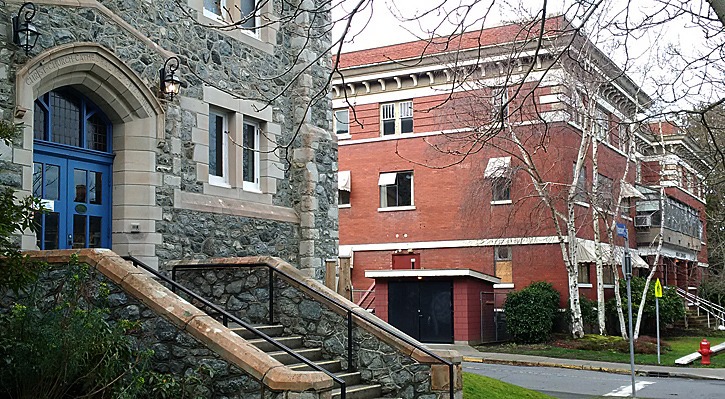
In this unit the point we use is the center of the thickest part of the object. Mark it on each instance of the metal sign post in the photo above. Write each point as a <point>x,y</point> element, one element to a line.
<point>627,266</point>
<point>658,295</point>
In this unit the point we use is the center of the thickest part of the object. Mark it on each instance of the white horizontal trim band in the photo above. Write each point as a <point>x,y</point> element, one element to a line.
<point>487,242</point>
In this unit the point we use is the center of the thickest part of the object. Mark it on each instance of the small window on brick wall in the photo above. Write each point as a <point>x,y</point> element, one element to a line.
<point>502,264</point>
<point>584,274</point>
<point>396,118</point>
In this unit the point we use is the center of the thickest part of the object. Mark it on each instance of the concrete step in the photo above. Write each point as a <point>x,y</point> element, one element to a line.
<point>271,330</point>
<point>308,353</point>
<point>329,365</point>
<point>359,392</point>
<point>351,379</point>
<point>290,342</point>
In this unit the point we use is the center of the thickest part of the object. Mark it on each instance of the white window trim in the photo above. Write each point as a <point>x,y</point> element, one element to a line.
<point>397,208</point>
<point>608,285</point>
<point>235,15</point>
<point>335,121</point>
<point>503,285</point>
<point>223,180</point>
<point>397,117</point>
<point>585,285</point>
<point>502,202</point>
<point>344,206</point>
<point>255,185</point>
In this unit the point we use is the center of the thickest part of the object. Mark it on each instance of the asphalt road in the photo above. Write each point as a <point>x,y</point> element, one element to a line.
<point>579,384</point>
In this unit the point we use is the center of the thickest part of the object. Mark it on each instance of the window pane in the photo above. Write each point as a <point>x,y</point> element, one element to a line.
<point>96,133</point>
<point>38,180</point>
<point>248,14</point>
<point>216,136</point>
<point>501,189</point>
<point>389,127</point>
<point>583,273</point>
<point>388,111</point>
<point>51,230</point>
<point>343,197</point>
<point>79,231</point>
<point>65,119</point>
<point>213,6</point>
<point>249,155</point>
<point>52,182</point>
<point>94,232</point>
<point>406,109</point>
<point>406,125</point>
<point>342,122</point>
<point>391,193</point>
<point>39,120</point>
<point>95,188</point>
<point>405,189</point>
<point>79,182</point>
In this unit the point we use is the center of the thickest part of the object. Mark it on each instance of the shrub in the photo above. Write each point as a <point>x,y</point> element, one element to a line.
<point>671,306</point>
<point>530,312</point>
<point>589,310</point>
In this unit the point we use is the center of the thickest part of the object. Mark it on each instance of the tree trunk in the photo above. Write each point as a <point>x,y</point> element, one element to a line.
<point>596,204</point>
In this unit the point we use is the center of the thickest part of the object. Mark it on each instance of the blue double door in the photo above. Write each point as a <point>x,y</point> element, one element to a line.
<point>76,194</point>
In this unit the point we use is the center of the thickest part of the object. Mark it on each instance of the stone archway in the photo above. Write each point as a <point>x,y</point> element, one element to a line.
<point>138,126</point>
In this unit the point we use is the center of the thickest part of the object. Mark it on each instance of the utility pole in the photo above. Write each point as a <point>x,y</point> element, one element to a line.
<point>627,266</point>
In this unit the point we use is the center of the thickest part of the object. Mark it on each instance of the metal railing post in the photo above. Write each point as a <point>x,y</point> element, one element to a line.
<point>349,340</point>
<point>451,383</point>
<point>271,295</point>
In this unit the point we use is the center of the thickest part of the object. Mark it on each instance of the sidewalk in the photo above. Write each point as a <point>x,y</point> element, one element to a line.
<point>470,354</point>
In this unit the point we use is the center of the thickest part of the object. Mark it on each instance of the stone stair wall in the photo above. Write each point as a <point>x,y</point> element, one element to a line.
<point>309,310</point>
<point>183,337</point>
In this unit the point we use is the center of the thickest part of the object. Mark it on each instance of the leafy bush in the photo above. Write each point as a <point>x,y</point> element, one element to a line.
<point>594,342</point>
<point>589,310</point>
<point>671,306</point>
<point>530,312</point>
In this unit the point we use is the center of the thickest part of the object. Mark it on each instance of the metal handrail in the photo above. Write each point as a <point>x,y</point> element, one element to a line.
<point>349,313</point>
<point>226,317</point>
<point>717,311</point>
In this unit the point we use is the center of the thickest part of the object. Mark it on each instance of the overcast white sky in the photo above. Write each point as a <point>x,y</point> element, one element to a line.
<point>647,54</point>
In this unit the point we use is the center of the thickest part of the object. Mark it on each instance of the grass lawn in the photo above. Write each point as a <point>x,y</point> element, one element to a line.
<point>593,347</point>
<point>480,387</point>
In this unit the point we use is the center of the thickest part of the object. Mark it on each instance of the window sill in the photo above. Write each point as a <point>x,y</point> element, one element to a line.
<point>501,202</point>
<point>342,206</point>
<point>504,285</point>
<point>585,285</point>
<point>252,190</point>
<point>608,285</point>
<point>217,183</point>
<point>344,136</point>
<point>582,204</point>
<point>397,208</point>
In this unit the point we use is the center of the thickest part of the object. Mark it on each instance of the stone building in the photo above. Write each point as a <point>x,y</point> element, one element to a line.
<point>240,162</point>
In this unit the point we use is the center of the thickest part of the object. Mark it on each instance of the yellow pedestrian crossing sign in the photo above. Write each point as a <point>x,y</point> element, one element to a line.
<point>658,289</point>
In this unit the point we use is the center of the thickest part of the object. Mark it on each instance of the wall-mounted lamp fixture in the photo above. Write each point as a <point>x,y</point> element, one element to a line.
<point>25,34</point>
<point>169,84</point>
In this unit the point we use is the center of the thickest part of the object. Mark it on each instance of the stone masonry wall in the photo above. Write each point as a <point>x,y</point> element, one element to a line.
<point>244,292</point>
<point>175,351</point>
<point>208,58</point>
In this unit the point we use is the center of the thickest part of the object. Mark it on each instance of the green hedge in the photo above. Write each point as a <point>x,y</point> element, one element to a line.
<point>530,312</point>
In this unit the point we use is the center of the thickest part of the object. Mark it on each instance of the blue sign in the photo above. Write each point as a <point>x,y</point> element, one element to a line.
<point>621,230</point>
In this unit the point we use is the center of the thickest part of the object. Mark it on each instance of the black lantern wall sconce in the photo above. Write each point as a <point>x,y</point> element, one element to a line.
<point>25,34</point>
<point>169,83</point>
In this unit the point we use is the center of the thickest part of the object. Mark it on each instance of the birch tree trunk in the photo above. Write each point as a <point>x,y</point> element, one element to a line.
<point>596,202</point>
<point>653,270</point>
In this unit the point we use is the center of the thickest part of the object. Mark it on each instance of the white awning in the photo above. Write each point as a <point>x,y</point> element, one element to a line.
<point>387,179</point>
<point>628,191</point>
<point>343,180</point>
<point>497,167</point>
<point>586,253</point>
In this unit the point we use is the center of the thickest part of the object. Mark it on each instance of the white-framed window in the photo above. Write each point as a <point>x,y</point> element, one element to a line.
<point>396,189</point>
<point>583,275</point>
<point>343,188</point>
<point>500,103</point>
<point>502,264</point>
<point>242,12</point>
<point>218,147</point>
<point>581,184</point>
<point>498,172</point>
<point>608,275</point>
<point>250,154</point>
<point>396,118</point>
<point>341,122</point>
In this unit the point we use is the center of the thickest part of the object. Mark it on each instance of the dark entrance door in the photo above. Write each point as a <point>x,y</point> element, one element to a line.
<point>422,309</point>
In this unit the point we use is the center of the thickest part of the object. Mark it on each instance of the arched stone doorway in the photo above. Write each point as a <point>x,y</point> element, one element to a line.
<point>100,87</point>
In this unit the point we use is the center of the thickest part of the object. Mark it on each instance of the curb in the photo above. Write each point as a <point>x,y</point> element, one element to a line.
<point>641,373</point>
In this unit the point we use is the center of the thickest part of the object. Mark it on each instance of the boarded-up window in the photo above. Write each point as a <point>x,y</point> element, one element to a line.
<point>502,264</point>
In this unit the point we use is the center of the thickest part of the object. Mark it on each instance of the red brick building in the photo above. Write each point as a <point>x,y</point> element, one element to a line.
<point>445,149</point>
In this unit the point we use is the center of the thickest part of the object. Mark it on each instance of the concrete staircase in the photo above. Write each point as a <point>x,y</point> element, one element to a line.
<point>355,389</point>
<point>694,321</point>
